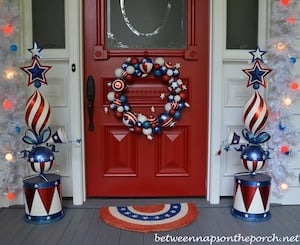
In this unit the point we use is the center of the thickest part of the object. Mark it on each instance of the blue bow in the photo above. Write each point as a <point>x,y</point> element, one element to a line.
<point>34,139</point>
<point>259,139</point>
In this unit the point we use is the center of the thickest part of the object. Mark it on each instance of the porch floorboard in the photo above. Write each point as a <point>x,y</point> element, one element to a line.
<point>82,226</point>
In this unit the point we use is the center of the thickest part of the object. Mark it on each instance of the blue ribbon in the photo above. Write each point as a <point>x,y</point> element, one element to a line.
<point>259,139</point>
<point>34,139</point>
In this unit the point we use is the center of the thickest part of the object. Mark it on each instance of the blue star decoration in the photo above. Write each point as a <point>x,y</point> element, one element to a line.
<point>35,51</point>
<point>257,55</point>
<point>257,75</point>
<point>36,73</point>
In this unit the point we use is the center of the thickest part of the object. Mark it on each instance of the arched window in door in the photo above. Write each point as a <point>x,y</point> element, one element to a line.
<point>153,24</point>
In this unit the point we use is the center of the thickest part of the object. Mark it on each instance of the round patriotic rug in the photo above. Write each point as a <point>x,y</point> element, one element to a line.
<point>150,218</point>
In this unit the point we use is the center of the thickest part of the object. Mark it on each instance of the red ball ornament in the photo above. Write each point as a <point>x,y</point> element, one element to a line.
<point>182,95</point>
<point>284,149</point>
<point>291,20</point>
<point>10,196</point>
<point>134,61</point>
<point>129,77</point>
<point>7,30</point>
<point>117,95</point>
<point>153,125</point>
<point>7,105</point>
<point>294,86</point>
<point>119,114</point>
<point>156,66</point>
<point>172,112</point>
<point>165,78</point>
<point>137,129</point>
<point>285,2</point>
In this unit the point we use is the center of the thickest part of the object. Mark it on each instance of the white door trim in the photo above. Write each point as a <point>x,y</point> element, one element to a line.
<point>76,102</point>
<point>215,96</point>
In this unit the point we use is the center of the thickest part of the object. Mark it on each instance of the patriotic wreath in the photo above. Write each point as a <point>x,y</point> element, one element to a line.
<point>175,98</point>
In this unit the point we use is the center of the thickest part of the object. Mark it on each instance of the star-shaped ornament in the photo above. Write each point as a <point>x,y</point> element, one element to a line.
<point>257,75</point>
<point>257,55</point>
<point>36,73</point>
<point>35,51</point>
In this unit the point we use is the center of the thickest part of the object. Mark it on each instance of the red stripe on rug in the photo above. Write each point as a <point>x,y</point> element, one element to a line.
<point>149,209</point>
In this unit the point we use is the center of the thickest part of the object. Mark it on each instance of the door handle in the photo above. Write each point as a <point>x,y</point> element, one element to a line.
<point>90,93</point>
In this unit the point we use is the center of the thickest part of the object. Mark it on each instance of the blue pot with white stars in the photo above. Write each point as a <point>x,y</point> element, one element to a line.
<point>253,157</point>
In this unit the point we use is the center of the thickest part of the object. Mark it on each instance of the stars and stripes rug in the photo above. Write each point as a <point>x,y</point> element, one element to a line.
<point>150,218</point>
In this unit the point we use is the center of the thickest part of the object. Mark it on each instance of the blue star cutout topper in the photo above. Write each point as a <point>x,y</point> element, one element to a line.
<point>257,75</point>
<point>36,73</point>
<point>257,55</point>
<point>35,51</point>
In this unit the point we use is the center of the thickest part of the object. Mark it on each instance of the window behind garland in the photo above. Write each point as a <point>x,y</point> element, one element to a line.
<point>242,24</point>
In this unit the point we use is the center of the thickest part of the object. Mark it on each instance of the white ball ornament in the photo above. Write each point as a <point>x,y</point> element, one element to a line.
<point>111,96</point>
<point>177,98</point>
<point>130,69</point>
<point>169,72</point>
<point>142,118</point>
<point>160,61</point>
<point>147,131</point>
<point>168,106</point>
<point>120,108</point>
<point>118,72</point>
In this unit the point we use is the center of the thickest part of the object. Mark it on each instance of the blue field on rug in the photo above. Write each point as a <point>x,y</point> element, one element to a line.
<point>150,218</point>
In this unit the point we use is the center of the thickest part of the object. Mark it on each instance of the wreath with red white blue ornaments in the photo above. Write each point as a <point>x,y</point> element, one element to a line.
<point>168,73</point>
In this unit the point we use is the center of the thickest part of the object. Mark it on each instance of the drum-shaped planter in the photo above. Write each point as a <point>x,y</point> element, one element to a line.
<point>251,196</point>
<point>43,200</point>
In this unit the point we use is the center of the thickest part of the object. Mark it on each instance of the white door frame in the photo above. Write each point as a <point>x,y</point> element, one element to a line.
<point>76,103</point>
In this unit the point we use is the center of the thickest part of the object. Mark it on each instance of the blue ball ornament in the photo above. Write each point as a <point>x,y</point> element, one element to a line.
<point>181,105</point>
<point>41,159</point>
<point>37,84</point>
<point>137,73</point>
<point>126,107</point>
<point>253,157</point>
<point>113,107</point>
<point>163,117</point>
<point>18,129</point>
<point>146,124</point>
<point>281,127</point>
<point>255,86</point>
<point>163,70</point>
<point>13,47</point>
<point>156,130</point>
<point>123,98</point>
<point>124,66</point>
<point>293,60</point>
<point>157,73</point>
<point>177,115</point>
<point>176,73</point>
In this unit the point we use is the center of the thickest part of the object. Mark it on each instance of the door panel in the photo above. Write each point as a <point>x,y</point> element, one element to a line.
<point>122,163</point>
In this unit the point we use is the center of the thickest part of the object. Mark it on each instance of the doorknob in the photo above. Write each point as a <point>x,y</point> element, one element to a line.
<point>90,93</point>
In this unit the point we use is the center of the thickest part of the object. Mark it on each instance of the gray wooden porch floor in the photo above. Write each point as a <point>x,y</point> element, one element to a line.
<point>81,225</point>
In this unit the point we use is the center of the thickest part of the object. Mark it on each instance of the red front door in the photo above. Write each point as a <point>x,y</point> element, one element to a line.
<point>120,161</point>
